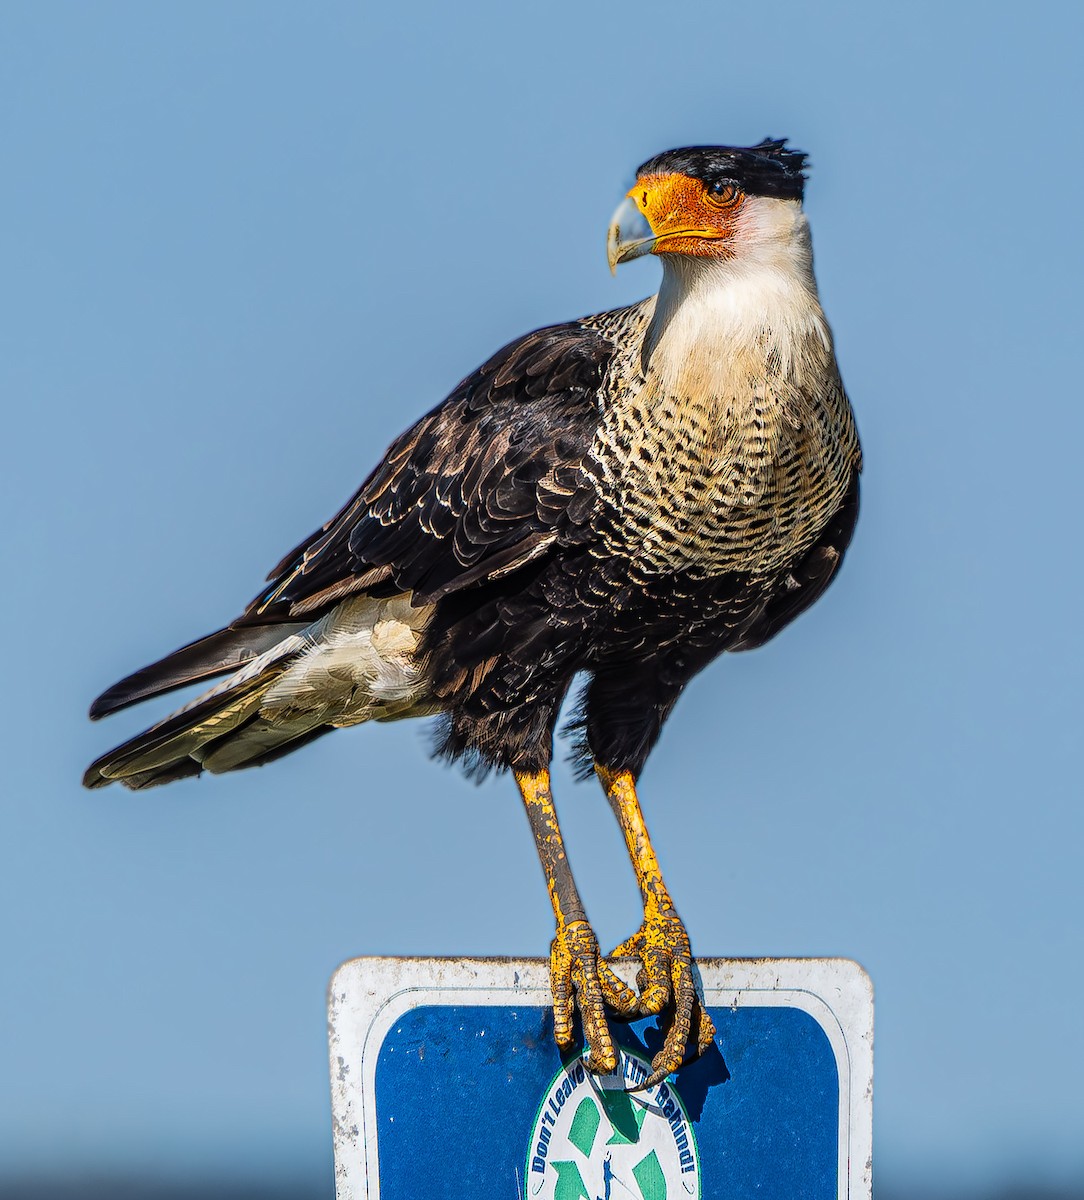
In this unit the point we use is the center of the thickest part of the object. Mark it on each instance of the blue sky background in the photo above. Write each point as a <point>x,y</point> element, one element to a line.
<point>242,245</point>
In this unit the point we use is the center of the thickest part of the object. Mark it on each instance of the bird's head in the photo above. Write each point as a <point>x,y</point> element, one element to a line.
<point>708,202</point>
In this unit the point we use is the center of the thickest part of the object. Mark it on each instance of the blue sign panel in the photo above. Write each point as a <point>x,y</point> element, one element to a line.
<point>452,1086</point>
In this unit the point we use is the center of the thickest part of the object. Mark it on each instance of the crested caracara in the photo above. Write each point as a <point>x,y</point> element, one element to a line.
<point>624,496</point>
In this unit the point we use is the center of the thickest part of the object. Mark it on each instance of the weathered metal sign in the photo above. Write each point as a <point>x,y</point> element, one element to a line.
<point>446,1083</point>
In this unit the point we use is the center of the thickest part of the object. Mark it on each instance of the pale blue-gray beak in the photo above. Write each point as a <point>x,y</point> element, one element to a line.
<point>629,234</point>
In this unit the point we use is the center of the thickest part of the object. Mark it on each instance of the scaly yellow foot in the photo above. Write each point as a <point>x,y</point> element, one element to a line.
<point>581,978</point>
<point>666,979</point>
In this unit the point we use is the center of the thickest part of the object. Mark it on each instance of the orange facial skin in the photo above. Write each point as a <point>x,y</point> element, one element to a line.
<point>685,215</point>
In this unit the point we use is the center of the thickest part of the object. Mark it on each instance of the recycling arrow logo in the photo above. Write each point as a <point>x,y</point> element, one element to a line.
<point>592,1140</point>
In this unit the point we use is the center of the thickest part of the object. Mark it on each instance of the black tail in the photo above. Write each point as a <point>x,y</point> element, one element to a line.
<point>213,655</point>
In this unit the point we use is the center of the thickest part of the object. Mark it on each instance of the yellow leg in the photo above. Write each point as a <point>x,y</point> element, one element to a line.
<point>579,977</point>
<point>661,943</point>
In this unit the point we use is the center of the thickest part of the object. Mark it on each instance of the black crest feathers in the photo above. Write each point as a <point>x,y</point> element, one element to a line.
<point>769,168</point>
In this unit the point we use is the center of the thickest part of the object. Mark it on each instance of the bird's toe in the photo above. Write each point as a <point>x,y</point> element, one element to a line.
<point>581,980</point>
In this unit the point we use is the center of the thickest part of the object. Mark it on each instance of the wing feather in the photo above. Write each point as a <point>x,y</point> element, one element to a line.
<point>486,482</point>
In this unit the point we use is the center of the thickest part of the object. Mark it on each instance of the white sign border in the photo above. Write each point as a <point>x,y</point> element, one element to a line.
<point>367,996</point>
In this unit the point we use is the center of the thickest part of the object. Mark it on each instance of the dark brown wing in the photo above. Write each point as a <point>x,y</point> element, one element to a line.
<point>486,482</point>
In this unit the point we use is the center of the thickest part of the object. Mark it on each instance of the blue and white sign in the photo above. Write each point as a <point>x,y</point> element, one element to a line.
<point>446,1083</point>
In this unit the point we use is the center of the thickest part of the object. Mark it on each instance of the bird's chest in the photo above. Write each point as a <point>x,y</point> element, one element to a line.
<point>724,467</point>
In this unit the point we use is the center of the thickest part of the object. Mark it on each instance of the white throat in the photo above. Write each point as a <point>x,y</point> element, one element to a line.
<point>761,301</point>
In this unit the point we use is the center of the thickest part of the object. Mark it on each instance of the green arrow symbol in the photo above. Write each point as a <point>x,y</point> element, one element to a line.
<point>569,1185</point>
<point>626,1118</point>
<point>649,1178</point>
<point>581,1133</point>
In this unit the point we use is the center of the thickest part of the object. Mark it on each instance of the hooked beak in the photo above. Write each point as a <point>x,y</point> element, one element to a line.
<point>629,235</point>
<point>670,213</point>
